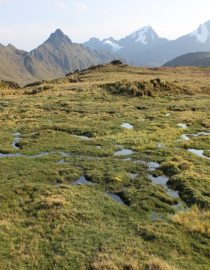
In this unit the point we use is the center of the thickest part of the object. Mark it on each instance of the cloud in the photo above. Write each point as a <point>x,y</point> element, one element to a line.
<point>80,6</point>
<point>59,4</point>
<point>156,6</point>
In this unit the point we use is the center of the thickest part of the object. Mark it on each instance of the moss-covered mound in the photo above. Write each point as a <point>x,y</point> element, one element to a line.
<point>9,85</point>
<point>145,88</point>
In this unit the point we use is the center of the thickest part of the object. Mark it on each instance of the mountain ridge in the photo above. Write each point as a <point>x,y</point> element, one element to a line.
<point>144,45</point>
<point>190,59</point>
<point>54,58</point>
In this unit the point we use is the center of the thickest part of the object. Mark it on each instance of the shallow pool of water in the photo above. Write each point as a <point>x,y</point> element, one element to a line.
<point>115,197</point>
<point>133,175</point>
<point>42,154</point>
<point>9,155</point>
<point>14,143</point>
<point>16,134</point>
<point>151,164</point>
<point>184,126</point>
<point>162,180</point>
<point>198,153</point>
<point>82,137</point>
<point>127,125</point>
<point>83,180</point>
<point>123,151</point>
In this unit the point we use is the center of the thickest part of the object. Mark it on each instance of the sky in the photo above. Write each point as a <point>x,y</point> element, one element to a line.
<point>26,24</point>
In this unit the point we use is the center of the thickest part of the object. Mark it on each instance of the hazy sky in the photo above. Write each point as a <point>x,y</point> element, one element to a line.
<point>26,23</point>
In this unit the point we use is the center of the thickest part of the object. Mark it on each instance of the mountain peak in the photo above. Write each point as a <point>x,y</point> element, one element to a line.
<point>57,38</point>
<point>202,33</point>
<point>143,34</point>
<point>11,46</point>
<point>58,32</point>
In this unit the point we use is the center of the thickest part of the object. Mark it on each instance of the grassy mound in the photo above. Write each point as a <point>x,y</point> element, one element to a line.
<point>145,88</point>
<point>9,85</point>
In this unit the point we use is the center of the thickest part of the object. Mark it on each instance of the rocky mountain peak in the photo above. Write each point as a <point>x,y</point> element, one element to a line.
<point>57,38</point>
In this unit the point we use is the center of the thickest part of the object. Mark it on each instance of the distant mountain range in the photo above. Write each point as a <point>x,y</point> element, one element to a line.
<point>190,59</point>
<point>53,59</point>
<point>58,55</point>
<point>144,45</point>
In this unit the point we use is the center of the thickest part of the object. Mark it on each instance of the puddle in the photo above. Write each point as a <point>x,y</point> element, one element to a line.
<point>133,175</point>
<point>16,139</point>
<point>83,180</point>
<point>99,147</point>
<point>61,161</point>
<point>64,154</point>
<point>198,153</point>
<point>200,133</point>
<point>127,159</point>
<point>16,134</point>
<point>151,164</point>
<point>186,138</point>
<point>115,197</point>
<point>124,151</point>
<point>126,125</point>
<point>57,184</point>
<point>50,121</point>
<point>14,143</point>
<point>10,155</point>
<point>82,137</point>
<point>33,133</point>
<point>162,180</point>
<point>42,154</point>
<point>184,126</point>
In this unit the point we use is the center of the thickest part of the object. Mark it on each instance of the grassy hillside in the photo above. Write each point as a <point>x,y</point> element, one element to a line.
<point>53,59</point>
<point>56,132</point>
<point>190,59</point>
<point>19,66</point>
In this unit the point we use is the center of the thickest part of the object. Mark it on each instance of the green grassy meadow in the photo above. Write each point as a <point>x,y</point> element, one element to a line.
<point>48,222</point>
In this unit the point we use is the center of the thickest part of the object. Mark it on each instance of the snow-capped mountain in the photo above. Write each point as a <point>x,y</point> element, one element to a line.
<point>144,45</point>
<point>144,36</point>
<point>115,47</point>
<point>202,33</point>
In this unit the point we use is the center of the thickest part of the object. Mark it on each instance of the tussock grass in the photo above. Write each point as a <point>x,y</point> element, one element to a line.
<point>195,220</point>
<point>9,85</point>
<point>145,88</point>
<point>158,264</point>
<point>115,262</point>
<point>140,140</point>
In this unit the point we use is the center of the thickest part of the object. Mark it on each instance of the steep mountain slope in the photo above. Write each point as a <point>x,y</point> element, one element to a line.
<point>146,46</point>
<point>54,58</point>
<point>133,46</point>
<point>59,55</point>
<point>20,66</point>
<point>190,59</point>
